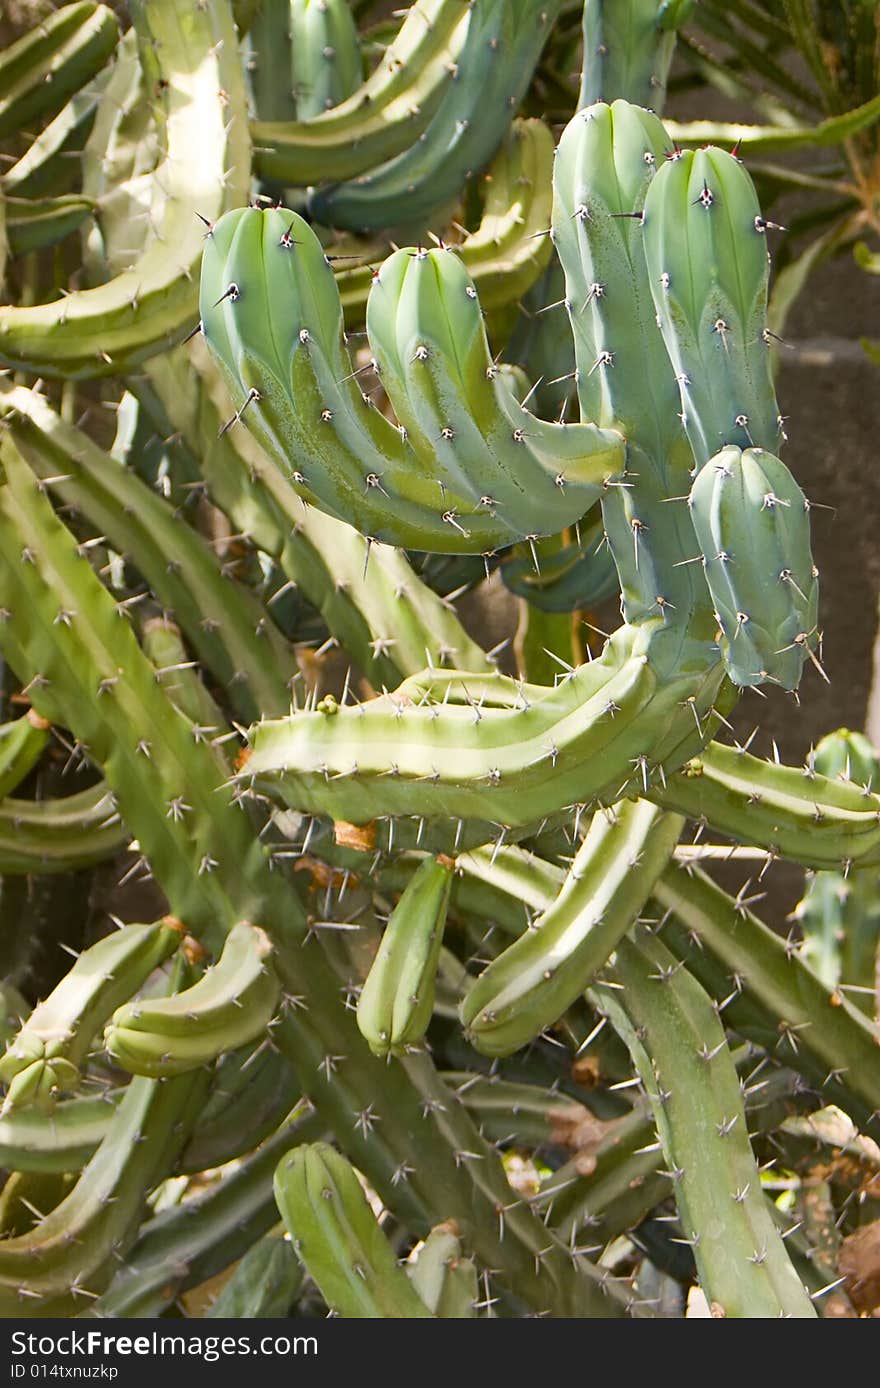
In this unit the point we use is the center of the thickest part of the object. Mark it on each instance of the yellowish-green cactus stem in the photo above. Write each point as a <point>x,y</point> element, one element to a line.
<point>528,987</point>
<point>468,468</point>
<point>48,64</point>
<point>45,1056</point>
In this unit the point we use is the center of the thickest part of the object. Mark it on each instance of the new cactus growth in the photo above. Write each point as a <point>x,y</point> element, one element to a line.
<point>444,1279</point>
<point>397,999</point>
<point>442,1008</point>
<point>229,1006</point>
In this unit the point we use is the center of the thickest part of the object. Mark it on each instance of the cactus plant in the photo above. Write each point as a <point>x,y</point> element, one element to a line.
<point>838,911</point>
<point>422,916</point>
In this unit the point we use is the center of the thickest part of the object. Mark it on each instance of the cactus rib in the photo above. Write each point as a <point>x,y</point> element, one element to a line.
<point>600,722</point>
<point>29,1141</point>
<point>792,811</point>
<point>444,1279</point>
<point>60,835</point>
<point>324,46</point>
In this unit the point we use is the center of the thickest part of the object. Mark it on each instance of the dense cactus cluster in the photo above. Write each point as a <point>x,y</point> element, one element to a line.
<point>810,72</point>
<point>309,326</point>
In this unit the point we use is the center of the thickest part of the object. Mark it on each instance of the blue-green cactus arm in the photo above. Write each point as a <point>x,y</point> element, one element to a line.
<point>373,603</point>
<point>383,117</point>
<point>628,48</point>
<point>500,50</point>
